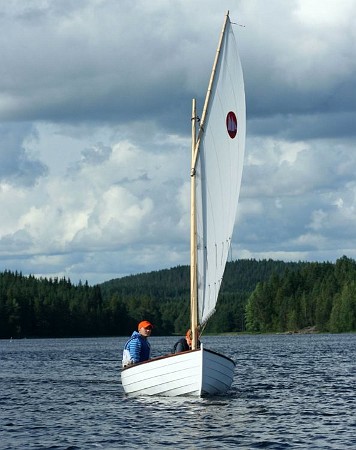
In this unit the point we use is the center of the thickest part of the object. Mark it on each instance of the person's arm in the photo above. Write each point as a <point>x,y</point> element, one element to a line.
<point>134,348</point>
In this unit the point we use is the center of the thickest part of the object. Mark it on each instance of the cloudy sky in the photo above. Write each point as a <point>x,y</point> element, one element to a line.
<point>95,101</point>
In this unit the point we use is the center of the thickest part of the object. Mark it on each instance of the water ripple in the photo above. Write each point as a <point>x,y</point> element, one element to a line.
<point>289,391</point>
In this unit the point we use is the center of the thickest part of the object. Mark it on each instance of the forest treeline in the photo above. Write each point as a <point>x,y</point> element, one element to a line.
<point>317,294</point>
<point>256,296</point>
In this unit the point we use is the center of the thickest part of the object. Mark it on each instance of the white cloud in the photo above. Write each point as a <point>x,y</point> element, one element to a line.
<point>324,13</point>
<point>109,200</point>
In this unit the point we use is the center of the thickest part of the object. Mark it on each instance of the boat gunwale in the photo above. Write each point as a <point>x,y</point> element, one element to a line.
<point>220,354</point>
<point>158,358</point>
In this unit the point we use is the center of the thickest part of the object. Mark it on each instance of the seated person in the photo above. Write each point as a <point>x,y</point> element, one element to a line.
<point>137,348</point>
<point>184,344</point>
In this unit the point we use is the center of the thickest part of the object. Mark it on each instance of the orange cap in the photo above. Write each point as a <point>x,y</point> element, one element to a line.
<point>144,324</point>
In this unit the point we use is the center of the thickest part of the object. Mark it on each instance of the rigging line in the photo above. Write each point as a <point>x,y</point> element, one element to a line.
<point>202,328</point>
<point>238,24</point>
<point>230,249</point>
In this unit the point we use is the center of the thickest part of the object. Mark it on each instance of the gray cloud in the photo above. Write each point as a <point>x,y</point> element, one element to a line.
<point>16,165</point>
<point>97,154</point>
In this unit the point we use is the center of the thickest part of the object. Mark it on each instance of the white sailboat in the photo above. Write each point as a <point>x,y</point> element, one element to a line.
<point>217,161</point>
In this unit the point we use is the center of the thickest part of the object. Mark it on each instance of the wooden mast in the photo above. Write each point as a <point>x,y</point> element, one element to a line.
<point>193,223</point>
<point>207,98</point>
<point>193,242</point>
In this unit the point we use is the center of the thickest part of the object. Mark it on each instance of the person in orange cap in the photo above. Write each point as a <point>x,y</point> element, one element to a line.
<point>137,348</point>
<point>184,344</point>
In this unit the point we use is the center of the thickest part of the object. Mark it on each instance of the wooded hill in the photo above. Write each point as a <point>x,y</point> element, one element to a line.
<point>257,296</point>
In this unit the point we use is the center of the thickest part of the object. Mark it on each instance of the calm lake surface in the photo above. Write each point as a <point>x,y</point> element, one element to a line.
<point>289,391</point>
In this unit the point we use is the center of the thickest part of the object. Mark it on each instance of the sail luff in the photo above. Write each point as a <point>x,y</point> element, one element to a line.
<point>208,94</point>
<point>218,167</point>
<point>193,244</point>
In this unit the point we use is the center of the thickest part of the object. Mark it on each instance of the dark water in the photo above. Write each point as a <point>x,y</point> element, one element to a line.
<point>289,391</point>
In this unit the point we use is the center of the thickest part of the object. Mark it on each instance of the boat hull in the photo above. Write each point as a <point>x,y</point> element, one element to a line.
<point>195,373</point>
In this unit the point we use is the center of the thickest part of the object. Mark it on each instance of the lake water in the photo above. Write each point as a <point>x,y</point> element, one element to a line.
<point>289,391</point>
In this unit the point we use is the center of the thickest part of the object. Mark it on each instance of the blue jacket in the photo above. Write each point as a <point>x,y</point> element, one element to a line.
<point>139,347</point>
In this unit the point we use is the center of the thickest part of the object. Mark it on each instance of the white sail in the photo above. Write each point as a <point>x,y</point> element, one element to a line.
<point>218,172</point>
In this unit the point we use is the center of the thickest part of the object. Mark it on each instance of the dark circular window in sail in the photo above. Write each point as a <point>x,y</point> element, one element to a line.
<point>231,124</point>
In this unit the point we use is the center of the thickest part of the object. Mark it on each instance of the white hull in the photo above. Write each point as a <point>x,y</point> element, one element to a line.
<point>193,373</point>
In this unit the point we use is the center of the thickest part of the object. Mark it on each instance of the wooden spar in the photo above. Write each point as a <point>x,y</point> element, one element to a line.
<point>193,224</point>
<point>207,98</point>
<point>193,244</point>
